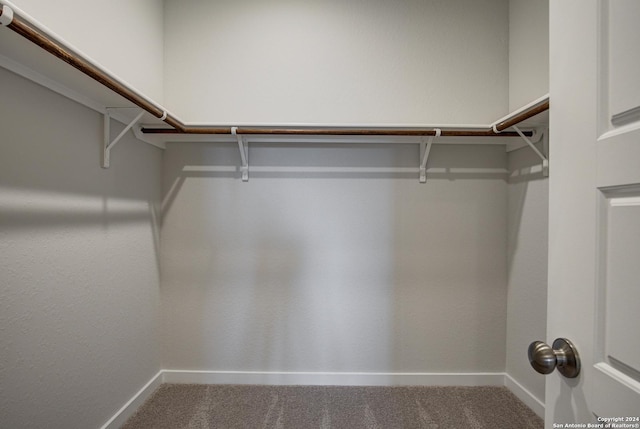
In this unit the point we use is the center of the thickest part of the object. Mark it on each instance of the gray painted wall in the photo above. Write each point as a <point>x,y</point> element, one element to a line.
<point>528,196</point>
<point>129,43</point>
<point>528,51</point>
<point>79,274</point>
<point>337,61</point>
<point>307,269</point>
<point>527,252</point>
<point>297,270</point>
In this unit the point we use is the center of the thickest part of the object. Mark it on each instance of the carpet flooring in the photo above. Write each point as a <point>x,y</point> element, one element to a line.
<point>184,406</point>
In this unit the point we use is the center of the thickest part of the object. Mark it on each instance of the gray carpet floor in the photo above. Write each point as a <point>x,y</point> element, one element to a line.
<point>184,406</point>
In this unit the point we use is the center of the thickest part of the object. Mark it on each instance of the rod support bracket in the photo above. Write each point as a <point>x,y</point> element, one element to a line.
<point>544,159</point>
<point>425,150</point>
<point>108,144</point>
<point>423,174</point>
<point>243,146</point>
<point>245,173</point>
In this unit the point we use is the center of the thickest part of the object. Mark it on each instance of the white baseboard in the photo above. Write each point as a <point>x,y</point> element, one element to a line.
<point>323,378</point>
<point>134,403</point>
<point>524,395</point>
<point>334,378</point>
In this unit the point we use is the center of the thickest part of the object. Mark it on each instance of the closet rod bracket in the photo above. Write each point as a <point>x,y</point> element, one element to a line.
<point>108,144</point>
<point>545,160</point>
<point>425,150</point>
<point>243,146</point>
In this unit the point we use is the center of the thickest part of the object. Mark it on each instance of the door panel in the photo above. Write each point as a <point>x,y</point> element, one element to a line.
<point>615,394</point>
<point>619,155</point>
<point>619,297</point>
<point>623,273</point>
<point>616,378</point>
<point>594,203</point>
<point>624,68</point>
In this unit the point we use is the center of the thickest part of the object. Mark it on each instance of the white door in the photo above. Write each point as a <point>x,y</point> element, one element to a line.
<point>594,209</point>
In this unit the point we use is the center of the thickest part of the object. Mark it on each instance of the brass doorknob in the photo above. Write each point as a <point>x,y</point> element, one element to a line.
<point>563,355</point>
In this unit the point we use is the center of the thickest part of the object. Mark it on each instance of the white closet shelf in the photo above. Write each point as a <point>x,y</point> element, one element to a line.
<point>26,49</point>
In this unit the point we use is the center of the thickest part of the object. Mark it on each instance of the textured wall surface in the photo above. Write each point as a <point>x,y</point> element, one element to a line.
<point>305,268</point>
<point>337,61</point>
<point>126,37</point>
<point>528,196</point>
<point>528,51</point>
<point>527,252</point>
<point>79,275</point>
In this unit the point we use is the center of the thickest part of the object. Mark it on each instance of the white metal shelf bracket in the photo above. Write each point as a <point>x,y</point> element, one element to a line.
<point>243,146</point>
<point>545,160</point>
<point>425,150</point>
<point>108,144</point>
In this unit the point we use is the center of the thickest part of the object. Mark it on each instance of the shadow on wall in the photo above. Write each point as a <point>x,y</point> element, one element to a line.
<point>270,314</point>
<point>527,254</point>
<point>29,210</point>
<point>571,403</point>
<point>328,161</point>
<point>52,180</point>
<point>319,261</point>
<point>449,259</point>
<point>524,169</point>
<point>78,262</point>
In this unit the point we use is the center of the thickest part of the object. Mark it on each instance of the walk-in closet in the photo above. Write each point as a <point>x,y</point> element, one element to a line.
<point>351,208</point>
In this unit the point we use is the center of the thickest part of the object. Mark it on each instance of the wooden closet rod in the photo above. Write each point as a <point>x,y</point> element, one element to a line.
<point>335,132</point>
<point>21,27</point>
<point>18,25</point>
